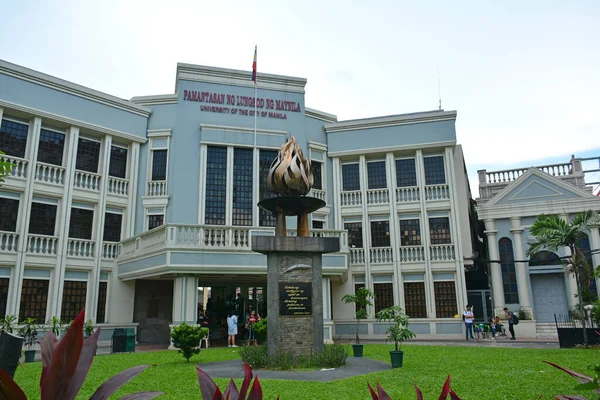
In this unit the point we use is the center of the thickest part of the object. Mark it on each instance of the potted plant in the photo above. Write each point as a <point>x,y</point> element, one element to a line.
<point>55,326</point>
<point>30,337</point>
<point>361,300</point>
<point>397,332</point>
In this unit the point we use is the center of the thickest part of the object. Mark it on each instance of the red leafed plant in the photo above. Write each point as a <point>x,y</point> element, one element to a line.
<point>446,391</point>
<point>210,390</point>
<point>65,365</point>
<point>586,382</point>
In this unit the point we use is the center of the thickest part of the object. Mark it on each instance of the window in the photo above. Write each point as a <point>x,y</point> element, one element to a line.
<point>509,275</point>
<point>584,245</point>
<point>43,219</point>
<point>154,221</point>
<point>317,174</point>
<point>242,187</point>
<point>88,154</point>
<point>350,177</point>
<point>356,287</point>
<point>51,147</point>
<point>434,170</point>
<point>73,300</point>
<point>81,224</point>
<point>265,160</point>
<point>414,299</point>
<point>542,258</point>
<point>3,295</point>
<point>445,299</point>
<point>317,224</point>
<point>112,227</point>
<point>355,238</point>
<point>118,162</point>
<point>216,185</point>
<point>102,293</point>
<point>410,232</point>
<point>439,230</point>
<point>34,300</point>
<point>159,165</point>
<point>380,234</point>
<point>13,138</point>
<point>384,296</point>
<point>376,175</point>
<point>9,211</point>
<point>406,174</point>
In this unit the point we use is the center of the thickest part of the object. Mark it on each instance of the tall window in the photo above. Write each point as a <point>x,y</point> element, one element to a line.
<point>384,296</point>
<point>355,237</point>
<point>51,147</point>
<point>3,295</point>
<point>586,249</point>
<point>13,138</point>
<point>118,162</point>
<point>73,300</point>
<point>266,158</point>
<point>414,299</point>
<point>102,293</point>
<point>380,233</point>
<point>376,175</point>
<point>410,232</point>
<point>350,177</point>
<point>317,224</point>
<point>112,227</point>
<point>216,185</point>
<point>43,219</point>
<point>82,221</point>
<point>34,299</point>
<point>434,170</point>
<point>159,165</point>
<point>406,174</point>
<point>439,230</point>
<point>242,187</point>
<point>509,275</point>
<point>9,211</point>
<point>154,221</point>
<point>317,171</point>
<point>88,154</point>
<point>445,299</point>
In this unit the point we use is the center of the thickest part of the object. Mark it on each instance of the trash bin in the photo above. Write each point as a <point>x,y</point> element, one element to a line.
<point>123,340</point>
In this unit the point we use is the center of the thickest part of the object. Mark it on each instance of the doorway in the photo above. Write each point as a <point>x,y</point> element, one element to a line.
<point>153,310</point>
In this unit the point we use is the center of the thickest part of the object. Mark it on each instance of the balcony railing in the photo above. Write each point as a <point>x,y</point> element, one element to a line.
<point>357,256</point>
<point>19,167</point>
<point>437,192</point>
<point>444,252</point>
<point>80,248</point>
<point>156,188</point>
<point>351,198</point>
<point>42,244</point>
<point>378,196</point>
<point>326,233</point>
<point>87,180</point>
<point>318,193</point>
<point>510,175</point>
<point>118,186</point>
<point>49,173</point>
<point>412,253</point>
<point>408,194</point>
<point>381,255</point>
<point>8,241</point>
<point>110,251</point>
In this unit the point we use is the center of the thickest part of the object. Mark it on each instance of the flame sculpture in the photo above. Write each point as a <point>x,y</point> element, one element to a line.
<point>290,173</point>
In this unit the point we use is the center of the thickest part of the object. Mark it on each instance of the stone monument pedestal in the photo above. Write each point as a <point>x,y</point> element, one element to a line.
<point>294,291</point>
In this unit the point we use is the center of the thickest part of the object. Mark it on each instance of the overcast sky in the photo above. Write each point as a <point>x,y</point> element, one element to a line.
<point>524,76</point>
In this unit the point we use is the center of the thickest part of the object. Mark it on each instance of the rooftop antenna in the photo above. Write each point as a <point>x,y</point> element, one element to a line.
<point>439,88</point>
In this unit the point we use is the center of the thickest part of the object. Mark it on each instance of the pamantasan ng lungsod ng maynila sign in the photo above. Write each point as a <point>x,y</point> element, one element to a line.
<point>241,105</point>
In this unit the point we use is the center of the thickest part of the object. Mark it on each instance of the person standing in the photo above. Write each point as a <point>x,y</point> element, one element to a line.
<point>250,321</point>
<point>468,317</point>
<point>510,317</point>
<point>232,329</point>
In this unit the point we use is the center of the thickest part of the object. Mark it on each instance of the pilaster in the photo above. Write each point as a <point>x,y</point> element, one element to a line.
<point>202,185</point>
<point>362,170</point>
<point>229,188</point>
<point>595,245</point>
<point>394,223</point>
<point>185,300</point>
<point>255,186</point>
<point>495,268</point>
<point>425,237</point>
<point>337,206</point>
<point>134,166</point>
<point>521,267</point>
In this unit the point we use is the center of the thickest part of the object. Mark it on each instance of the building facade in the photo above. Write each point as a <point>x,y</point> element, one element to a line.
<point>131,208</point>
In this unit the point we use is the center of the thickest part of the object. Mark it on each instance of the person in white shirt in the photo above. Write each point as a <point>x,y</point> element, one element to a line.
<point>468,317</point>
<point>232,329</point>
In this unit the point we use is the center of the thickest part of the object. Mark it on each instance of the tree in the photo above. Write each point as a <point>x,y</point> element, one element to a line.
<point>361,299</point>
<point>553,233</point>
<point>187,339</point>
<point>5,168</point>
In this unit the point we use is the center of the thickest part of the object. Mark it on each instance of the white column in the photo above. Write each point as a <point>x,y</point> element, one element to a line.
<point>521,267</point>
<point>595,245</point>
<point>362,170</point>
<point>121,298</point>
<point>202,185</point>
<point>185,300</point>
<point>255,186</point>
<point>394,223</point>
<point>326,298</point>
<point>229,188</point>
<point>33,139</point>
<point>134,170</point>
<point>495,269</point>
<point>570,281</point>
<point>425,239</point>
<point>337,198</point>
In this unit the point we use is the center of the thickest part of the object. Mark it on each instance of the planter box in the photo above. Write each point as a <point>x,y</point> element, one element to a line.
<point>571,337</point>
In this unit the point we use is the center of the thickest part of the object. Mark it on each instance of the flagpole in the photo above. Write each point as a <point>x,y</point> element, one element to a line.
<point>255,94</point>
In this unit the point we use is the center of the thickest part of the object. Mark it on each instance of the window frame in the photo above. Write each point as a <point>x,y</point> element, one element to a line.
<point>14,215</point>
<point>45,310</point>
<point>362,242</point>
<point>70,234</point>
<point>433,173</point>
<point>420,235</point>
<point>439,299</point>
<point>508,270</point>
<point>371,230</point>
<point>414,164</point>
<point>76,311</point>
<point>407,304</point>
<point>31,219</point>
<point>62,155</point>
<point>6,149</point>
<point>346,164</point>
<point>211,200</point>
<point>110,161</point>
<point>437,241</point>
<point>369,180</point>
<point>93,140</point>
<point>242,185</point>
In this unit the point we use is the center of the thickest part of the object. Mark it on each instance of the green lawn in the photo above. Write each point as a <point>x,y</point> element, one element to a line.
<point>477,373</point>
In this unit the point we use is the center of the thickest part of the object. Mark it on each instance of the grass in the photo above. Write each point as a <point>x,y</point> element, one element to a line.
<point>477,373</point>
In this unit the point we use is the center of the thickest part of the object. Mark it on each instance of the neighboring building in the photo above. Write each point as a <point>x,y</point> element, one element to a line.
<point>127,208</point>
<point>509,203</point>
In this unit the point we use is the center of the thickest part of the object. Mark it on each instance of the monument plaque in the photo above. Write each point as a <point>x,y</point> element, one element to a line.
<point>295,298</point>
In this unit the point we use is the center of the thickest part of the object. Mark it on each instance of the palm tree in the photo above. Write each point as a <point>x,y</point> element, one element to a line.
<point>553,233</point>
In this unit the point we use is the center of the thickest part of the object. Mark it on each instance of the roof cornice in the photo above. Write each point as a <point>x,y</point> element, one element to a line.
<point>391,120</point>
<point>155,100</point>
<point>320,115</point>
<point>52,82</point>
<point>225,76</point>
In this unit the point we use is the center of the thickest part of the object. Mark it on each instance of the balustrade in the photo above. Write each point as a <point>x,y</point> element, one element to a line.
<point>444,252</point>
<point>86,180</point>
<point>352,198</point>
<point>110,250</point>
<point>510,175</point>
<point>378,196</point>
<point>41,244</point>
<point>80,248</point>
<point>381,255</point>
<point>19,165</point>
<point>437,192</point>
<point>118,186</point>
<point>408,194</point>
<point>357,256</point>
<point>412,254</point>
<point>49,173</point>
<point>8,241</point>
<point>156,188</point>
<point>317,193</point>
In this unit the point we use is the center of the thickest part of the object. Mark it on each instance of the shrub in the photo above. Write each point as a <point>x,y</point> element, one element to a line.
<point>333,356</point>
<point>29,333</point>
<point>187,339</point>
<point>8,323</point>
<point>524,315</point>
<point>260,329</point>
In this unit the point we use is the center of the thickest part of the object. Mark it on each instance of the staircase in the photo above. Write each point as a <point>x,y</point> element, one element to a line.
<point>546,330</point>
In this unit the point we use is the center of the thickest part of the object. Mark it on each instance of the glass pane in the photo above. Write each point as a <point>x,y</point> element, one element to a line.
<point>34,300</point>
<point>88,154</point>
<point>13,138</point>
<point>9,211</point>
<point>73,300</point>
<point>410,232</point>
<point>51,147</point>
<point>350,177</point>
<point>445,299</point>
<point>439,230</point>
<point>242,187</point>
<point>317,174</point>
<point>159,165</point>
<point>406,174</point>
<point>355,238</point>
<point>266,158</point>
<point>434,170</point>
<point>43,219</point>
<point>380,234</point>
<point>376,175</point>
<point>118,162</point>
<point>81,223</point>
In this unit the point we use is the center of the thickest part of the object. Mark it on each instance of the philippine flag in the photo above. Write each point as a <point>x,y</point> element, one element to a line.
<point>254,66</point>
